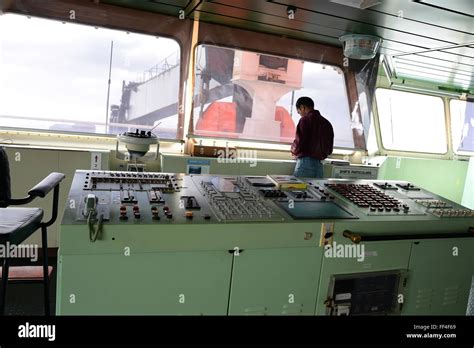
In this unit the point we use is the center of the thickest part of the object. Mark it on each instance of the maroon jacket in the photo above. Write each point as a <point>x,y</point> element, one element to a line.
<point>314,137</point>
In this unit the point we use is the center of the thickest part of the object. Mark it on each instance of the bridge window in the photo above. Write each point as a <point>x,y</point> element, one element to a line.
<point>411,122</point>
<point>54,76</point>
<point>462,125</point>
<point>245,95</point>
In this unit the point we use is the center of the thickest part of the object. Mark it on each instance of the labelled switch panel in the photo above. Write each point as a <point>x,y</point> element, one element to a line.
<point>190,202</point>
<point>365,293</point>
<point>128,196</point>
<point>155,196</point>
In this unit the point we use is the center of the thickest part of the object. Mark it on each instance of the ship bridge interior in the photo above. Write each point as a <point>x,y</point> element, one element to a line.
<point>291,157</point>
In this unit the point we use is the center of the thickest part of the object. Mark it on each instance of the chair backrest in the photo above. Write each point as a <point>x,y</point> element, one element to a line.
<point>5,186</point>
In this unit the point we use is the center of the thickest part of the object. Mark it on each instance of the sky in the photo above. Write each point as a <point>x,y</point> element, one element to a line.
<point>60,71</point>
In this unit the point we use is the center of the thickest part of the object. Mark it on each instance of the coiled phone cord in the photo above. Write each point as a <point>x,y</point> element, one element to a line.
<point>93,232</point>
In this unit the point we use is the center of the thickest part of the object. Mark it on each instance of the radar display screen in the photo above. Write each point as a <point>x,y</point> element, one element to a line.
<point>316,210</point>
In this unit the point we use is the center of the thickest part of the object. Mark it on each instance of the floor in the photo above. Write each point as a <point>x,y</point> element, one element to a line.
<point>26,298</point>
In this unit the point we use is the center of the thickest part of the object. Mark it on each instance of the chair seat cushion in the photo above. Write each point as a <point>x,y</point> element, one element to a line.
<point>17,224</point>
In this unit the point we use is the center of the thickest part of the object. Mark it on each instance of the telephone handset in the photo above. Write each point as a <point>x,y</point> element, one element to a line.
<point>90,210</point>
<point>91,205</point>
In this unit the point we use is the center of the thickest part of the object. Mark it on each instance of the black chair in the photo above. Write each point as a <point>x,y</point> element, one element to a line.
<point>17,224</point>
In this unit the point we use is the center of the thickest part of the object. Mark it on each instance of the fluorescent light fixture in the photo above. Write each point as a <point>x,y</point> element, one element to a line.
<point>361,4</point>
<point>405,88</point>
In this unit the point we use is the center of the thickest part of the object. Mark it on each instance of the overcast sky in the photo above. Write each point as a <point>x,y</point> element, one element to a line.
<point>53,70</point>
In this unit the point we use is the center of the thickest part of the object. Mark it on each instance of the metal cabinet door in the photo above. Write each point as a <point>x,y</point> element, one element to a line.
<point>440,276</point>
<point>275,281</point>
<point>165,283</point>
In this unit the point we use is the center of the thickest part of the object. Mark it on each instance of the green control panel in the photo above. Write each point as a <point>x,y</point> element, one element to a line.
<point>172,244</point>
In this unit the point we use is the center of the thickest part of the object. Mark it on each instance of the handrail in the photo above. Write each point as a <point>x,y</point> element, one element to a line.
<point>158,69</point>
<point>357,237</point>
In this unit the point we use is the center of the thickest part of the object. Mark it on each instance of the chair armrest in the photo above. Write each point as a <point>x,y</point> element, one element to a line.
<point>46,185</point>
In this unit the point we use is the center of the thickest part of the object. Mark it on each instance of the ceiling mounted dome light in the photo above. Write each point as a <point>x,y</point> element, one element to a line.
<point>362,47</point>
<point>362,4</point>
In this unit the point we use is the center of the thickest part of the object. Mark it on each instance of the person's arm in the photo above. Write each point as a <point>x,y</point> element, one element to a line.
<point>296,147</point>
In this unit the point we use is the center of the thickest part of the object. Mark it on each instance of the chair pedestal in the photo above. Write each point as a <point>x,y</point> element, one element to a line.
<point>6,265</point>
<point>44,238</point>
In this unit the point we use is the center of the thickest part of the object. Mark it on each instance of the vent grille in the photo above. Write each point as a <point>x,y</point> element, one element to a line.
<point>424,298</point>
<point>292,309</point>
<point>470,304</point>
<point>450,296</point>
<point>256,310</point>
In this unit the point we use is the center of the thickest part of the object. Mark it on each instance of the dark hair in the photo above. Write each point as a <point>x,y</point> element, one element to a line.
<point>306,101</point>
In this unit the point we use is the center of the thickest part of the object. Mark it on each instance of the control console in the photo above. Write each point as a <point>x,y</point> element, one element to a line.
<point>156,198</point>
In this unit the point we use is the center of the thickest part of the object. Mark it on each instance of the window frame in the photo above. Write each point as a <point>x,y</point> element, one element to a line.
<point>455,152</point>
<point>74,134</point>
<point>447,129</point>
<point>245,142</point>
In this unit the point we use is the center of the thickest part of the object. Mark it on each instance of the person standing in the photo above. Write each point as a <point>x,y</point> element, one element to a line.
<point>314,140</point>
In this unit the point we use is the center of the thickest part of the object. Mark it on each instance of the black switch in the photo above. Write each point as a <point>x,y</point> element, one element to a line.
<point>190,202</point>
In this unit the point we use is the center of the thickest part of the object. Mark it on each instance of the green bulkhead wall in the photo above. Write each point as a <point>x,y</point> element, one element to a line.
<point>443,177</point>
